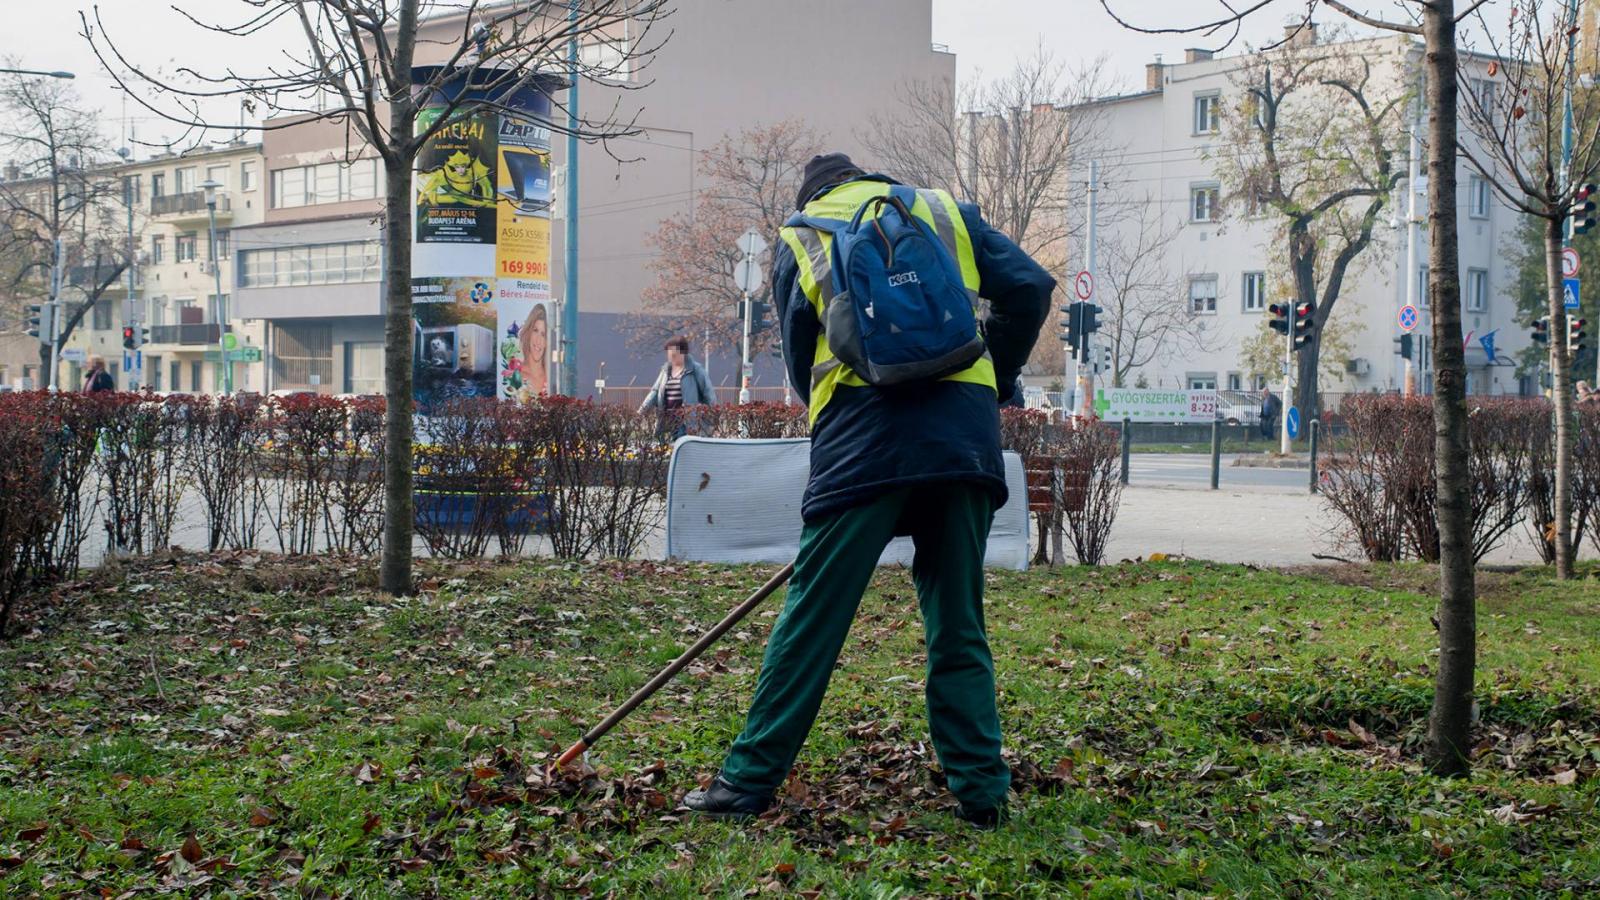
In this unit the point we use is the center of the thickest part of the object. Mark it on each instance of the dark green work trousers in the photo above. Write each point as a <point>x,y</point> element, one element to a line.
<point>949,524</point>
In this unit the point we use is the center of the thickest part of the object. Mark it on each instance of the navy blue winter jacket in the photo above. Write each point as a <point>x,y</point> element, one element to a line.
<point>868,441</point>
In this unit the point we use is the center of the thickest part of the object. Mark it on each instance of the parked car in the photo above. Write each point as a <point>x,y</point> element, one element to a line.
<point>1239,407</point>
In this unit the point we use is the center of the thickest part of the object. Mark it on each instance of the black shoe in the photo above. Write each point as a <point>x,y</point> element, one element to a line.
<point>724,801</point>
<point>987,818</point>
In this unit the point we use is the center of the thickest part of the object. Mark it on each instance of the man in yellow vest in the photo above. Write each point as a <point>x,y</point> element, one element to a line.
<point>920,459</point>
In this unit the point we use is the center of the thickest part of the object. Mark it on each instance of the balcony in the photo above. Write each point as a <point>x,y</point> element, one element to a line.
<point>188,207</point>
<point>190,333</point>
<point>89,277</point>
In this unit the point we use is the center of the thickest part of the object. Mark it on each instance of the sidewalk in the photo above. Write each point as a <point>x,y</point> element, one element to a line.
<point>1270,527</point>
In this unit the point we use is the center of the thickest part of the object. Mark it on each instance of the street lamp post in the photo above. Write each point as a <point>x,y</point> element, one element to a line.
<point>37,72</point>
<point>210,187</point>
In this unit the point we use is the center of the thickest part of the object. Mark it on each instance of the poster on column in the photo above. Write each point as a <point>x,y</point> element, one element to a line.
<point>455,181</point>
<point>453,340</point>
<point>524,348</point>
<point>522,240</point>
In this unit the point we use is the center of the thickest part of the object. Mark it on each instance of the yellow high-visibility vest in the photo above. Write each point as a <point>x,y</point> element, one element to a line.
<point>811,252</point>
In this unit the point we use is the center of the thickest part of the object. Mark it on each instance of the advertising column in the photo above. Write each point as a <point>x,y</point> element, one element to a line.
<point>480,263</point>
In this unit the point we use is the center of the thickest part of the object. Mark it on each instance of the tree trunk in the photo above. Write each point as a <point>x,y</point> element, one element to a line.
<point>1451,719</point>
<point>394,574</point>
<point>1562,395</point>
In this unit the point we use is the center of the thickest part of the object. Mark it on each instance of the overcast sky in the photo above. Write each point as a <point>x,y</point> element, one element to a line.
<point>986,35</point>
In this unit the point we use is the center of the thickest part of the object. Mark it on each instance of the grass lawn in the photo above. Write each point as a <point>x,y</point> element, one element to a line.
<point>255,726</point>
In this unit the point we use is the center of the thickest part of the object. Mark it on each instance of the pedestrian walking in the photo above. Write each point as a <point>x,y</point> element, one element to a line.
<point>905,440</point>
<point>97,379</point>
<point>1271,407</point>
<point>681,386</point>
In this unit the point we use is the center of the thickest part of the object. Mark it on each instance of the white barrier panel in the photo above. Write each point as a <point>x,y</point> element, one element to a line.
<point>738,501</point>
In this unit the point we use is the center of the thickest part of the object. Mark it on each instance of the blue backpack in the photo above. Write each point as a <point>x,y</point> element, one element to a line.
<point>900,311</point>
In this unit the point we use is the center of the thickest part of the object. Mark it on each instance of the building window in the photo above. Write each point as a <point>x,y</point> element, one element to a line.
<point>186,180</point>
<point>607,59</point>
<point>183,247</point>
<point>1478,198</point>
<point>218,303</point>
<point>133,188</point>
<point>220,250</point>
<point>345,263</point>
<point>363,367</point>
<point>219,174</point>
<point>1255,291</point>
<point>102,315</point>
<point>158,185</point>
<point>1203,203</point>
<point>325,183</point>
<point>1208,113</point>
<point>1203,295</point>
<point>1477,288</point>
<point>1483,92</point>
<point>1258,382</point>
<point>247,175</point>
<point>1422,287</point>
<point>302,356</point>
<point>194,377</point>
<point>158,246</point>
<point>1202,381</point>
<point>1235,381</point>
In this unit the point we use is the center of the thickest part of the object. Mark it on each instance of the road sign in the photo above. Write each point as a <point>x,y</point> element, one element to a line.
<point>747,274</point>
<point>751,243</point>
<point>74,355</point>
<point>1083,285</point>
<point>1408,318</point>
<point>1293,421</point>
<point>1569,262</point>
<point>1569,287</point>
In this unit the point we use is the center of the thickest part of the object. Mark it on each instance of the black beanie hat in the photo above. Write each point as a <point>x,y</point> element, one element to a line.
<point>824,170</point>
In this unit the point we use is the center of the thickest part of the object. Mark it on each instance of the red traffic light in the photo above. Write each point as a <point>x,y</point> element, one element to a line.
<point>1281,310</point>
<point>1586,192</point>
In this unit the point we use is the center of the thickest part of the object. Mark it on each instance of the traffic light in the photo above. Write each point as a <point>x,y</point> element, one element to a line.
<point>1583,209</point>
<point>777,349</point>
<point>1575,334</point>
<point>759,311</point>
<point>144,334</point>
<point>1091,318</point>
<point>1072,331</point>
<point>1541,330</point>
<point>1280,317</point>
<point>1407,345</point>
<point>1305,322</point>
<point>129,335</point>
<point>42,322</point>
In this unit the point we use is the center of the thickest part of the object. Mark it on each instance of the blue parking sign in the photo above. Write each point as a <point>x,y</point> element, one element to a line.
<point>1569,288</point>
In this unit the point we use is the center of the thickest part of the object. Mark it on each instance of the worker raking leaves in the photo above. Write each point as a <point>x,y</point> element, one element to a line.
<point>878,287</point>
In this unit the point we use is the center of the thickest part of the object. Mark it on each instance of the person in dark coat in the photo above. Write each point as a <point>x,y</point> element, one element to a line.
<point>97,379</point>
<point>1271,408</point>
<point>920,459</point>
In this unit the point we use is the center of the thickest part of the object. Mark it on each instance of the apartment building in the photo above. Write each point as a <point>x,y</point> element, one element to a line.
<point>175,274</point>
<point>309,267</point>
<point>1225,262</point>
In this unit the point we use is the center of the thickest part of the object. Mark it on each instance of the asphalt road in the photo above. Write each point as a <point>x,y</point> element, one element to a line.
<point>1194,470</point>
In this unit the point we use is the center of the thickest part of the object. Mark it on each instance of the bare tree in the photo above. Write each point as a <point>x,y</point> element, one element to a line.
<point>1139,287</point>
<point>1010,145</point>
<point>1312,146</point>
<point>751,181</point>
<point>1436,22</point>
<point>1516,109</point>
<point>63,201</point>
<point>361,64</point>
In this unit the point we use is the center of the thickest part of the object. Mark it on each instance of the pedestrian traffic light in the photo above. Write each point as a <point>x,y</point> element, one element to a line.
<point>1407,343</point>
<point>1305,322</point>
<point>1541,330</point>
<point>41,322</point>
<point>1280,317</point>
<point>1575,334</point>
<point>129,335</point>
<point>1091,318</point>
<point>1583,209</point>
